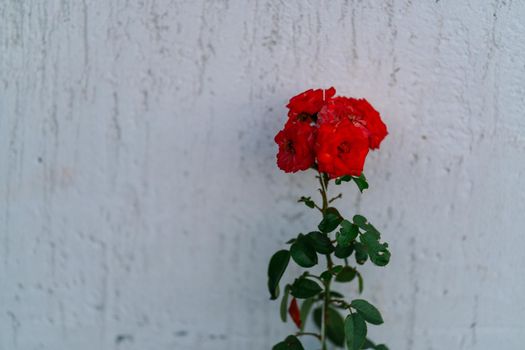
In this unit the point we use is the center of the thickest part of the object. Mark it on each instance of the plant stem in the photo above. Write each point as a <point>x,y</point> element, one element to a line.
<point>329,263</point>
<point>318,336</point>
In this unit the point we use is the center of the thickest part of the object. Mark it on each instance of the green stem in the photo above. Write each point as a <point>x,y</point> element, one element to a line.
<point>329,263</point>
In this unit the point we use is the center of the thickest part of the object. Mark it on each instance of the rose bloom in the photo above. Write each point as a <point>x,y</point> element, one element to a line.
<point>303,106</point>
<point>296,147</point>
<point>359,112</point>
<point>341,148</point>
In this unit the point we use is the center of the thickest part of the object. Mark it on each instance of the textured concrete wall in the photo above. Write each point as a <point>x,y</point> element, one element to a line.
<point>140,202</point>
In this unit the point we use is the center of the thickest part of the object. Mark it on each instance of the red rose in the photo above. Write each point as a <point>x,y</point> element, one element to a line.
<point>303,106</point>
<point>359,112</point>
<point>296,147</point>
<point>294,312</point>
<point>341,148</point>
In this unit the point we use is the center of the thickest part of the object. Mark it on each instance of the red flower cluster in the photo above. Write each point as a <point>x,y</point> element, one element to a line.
<point>334,133</point>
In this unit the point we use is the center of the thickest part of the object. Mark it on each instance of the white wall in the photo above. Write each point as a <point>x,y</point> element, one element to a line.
<point>140,201</point>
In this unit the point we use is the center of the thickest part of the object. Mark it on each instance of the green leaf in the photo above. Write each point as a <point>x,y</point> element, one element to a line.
<point>307,201</point>
<point>290,343</point>
<point>347,233</point>
<point>306,306</point>
<point>304,288</point>
<point>326,276</point>
<point>346,275</point>
<point>330,221</point>
<point>371,229</point>
<point>336,269</point>
<point>320,242</point>
<point>378,252</point>
<point>361,254</point>
<point>361,182</point>
<point>355,331</point>
<point>337,295</point>
<point>276,268</point>
<point>369,312</point>
<point>343,252</point>
<point>303,253</point>
<point>335,331</point>
<point>360,282</point>
<point>368,344</point>
<point>284,303</point>
<point>345,178</point>
<point>360,221</point>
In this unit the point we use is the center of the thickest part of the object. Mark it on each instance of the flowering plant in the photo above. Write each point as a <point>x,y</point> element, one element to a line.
<point>331,135</point>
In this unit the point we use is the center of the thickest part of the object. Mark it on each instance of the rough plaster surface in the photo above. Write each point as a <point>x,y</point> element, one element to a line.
<point>139,200</point>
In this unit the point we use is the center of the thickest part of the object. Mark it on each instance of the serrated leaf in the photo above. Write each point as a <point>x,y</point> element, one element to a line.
<point>276,267</point>
<point>369,312</point>
<point>355,331</point>
<point>303,253</point>
<point>331,220</point>
<point>306,306</point>
<point>290,343</point>
<point>284,303</point>
<point>320,242</point>
<point>346,275</point>
<point>304,288</point>
<point>334,325</point>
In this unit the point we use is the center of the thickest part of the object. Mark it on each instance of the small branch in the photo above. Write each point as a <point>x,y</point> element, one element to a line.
<point>340,195</point>
<point>318,336</point>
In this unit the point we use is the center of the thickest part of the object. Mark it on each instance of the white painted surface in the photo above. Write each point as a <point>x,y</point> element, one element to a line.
<point>139,200</point>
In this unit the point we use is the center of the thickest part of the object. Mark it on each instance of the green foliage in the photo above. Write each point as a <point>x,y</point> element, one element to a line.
<point>303,252</point>
<point>320,242</point>
<point>335,239</point>
<point>369,312</point>
<point>306,306</point>
<point>360,282</point>
<point>307,201</point>
<point>284,303</point>
<point>355,331</point>
<point>347,233</point>
<point>361,254</point>
<point>343,252</point>
<point>304,288</point>
<point>347,274</point>
<point>360,181</point>
<point>370,345</point>
<point>278,263</point>
<point>331,220</point>
<point>290,343</point>
<point>335,330</point>
<point>378,252</point>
